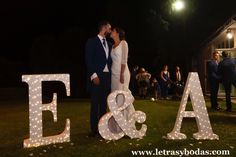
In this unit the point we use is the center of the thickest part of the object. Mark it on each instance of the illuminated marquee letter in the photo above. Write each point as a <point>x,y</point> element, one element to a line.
<point>193,88</point>
<point>126,123</point>
<point>36,107</point>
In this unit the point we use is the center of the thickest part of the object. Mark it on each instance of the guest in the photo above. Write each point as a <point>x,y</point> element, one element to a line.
<point>156,88</point>
<point>177,76</point>
<point>227,72</point>
<point>165,82</point>
<point>213,79</point>
<point>178,82</point>
<point>143,82</point>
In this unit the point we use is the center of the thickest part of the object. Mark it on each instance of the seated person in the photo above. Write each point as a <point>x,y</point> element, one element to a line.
<point>143,82</point>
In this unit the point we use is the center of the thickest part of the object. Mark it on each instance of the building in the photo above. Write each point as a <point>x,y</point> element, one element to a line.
<point>224,39</point>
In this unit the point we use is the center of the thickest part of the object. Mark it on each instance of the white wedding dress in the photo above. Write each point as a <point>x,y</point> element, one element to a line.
<point>119,56</point>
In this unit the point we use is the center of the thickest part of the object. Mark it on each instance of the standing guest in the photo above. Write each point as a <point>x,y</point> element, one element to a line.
<point>165,82</point>
<point>133,81</point>
<point>227,72</point>
<point>98,62</point>
<point>178,82</point>
<point>156,89</point>
<point>213,79</point>
<point>177,76</point>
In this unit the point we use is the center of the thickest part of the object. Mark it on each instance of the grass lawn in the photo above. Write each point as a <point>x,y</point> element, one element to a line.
<point>161,116</point>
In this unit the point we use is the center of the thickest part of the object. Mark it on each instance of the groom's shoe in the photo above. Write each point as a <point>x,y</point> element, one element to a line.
<point>93,134</point>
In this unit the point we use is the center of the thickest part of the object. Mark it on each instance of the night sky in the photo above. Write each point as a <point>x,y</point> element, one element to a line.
<point>49,36</point>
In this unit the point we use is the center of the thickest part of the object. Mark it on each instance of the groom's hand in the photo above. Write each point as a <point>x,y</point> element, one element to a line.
<point>96,81</point>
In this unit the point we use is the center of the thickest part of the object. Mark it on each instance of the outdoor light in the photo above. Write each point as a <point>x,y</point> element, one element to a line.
<point>178,5</point>
<point>36,108</point>
<point>194,90</point>
<point>229,34</point>
<point>127,124</point>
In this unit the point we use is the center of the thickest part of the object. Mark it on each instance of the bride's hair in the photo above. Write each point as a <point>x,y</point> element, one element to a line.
<point>121,32</point>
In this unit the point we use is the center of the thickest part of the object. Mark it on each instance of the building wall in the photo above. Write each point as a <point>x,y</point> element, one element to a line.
<point>219,42</point>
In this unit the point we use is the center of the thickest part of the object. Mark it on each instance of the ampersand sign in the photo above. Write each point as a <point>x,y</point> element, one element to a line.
<point>127,122</point>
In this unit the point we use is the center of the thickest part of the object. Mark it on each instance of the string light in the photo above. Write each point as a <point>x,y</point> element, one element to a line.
<point>193,88</point>
<point>127,124</point>
<point>117,108</point>
<point>36,107</point>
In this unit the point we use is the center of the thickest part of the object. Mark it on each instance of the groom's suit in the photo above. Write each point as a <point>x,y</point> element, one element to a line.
<point>98,63</point>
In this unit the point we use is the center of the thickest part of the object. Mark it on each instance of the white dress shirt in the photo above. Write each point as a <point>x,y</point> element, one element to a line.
<point>178,75</point>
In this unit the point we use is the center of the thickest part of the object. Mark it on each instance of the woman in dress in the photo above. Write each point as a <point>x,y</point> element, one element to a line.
<point>119,54</point>
<point>165,80</point>
<point>120,72</point>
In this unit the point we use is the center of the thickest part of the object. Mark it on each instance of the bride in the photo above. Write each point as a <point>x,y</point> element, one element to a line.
<point>119,54</point>
<point>120,73</point>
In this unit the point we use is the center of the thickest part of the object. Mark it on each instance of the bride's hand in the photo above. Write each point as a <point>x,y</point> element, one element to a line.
<point>122,78</point>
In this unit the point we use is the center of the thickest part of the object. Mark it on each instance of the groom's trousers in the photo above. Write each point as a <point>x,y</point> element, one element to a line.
<point>99,95</point>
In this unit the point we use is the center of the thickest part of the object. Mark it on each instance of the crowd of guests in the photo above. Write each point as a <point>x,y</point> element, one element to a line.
<point>107,71</point>
<point>221,72</point>
<point>166,85</point>
<point>160,85</point>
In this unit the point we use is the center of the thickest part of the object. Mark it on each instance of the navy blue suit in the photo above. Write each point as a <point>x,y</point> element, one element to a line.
<point>226,69</point>
<point>96,61</point>
<point>213,79</point>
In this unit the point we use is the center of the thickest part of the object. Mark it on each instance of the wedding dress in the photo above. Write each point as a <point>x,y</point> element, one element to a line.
<point>119,56</point>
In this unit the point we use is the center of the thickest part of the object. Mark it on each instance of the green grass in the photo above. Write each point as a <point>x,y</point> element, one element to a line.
<point>161,116</point>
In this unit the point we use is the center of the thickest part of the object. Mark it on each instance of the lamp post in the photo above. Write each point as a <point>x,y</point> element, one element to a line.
<point>165,8</point>
<point>179,7</point>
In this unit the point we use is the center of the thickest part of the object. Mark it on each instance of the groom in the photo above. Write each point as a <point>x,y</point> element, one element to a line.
<point>98,62</point>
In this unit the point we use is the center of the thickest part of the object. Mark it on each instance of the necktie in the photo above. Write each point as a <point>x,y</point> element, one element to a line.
<point>104,42</point>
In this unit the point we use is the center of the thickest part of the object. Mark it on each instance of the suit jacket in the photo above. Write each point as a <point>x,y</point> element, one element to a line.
<point>95,58</point>
<point>174,77</point>
<point>226,69</point>
<point>212,71</point>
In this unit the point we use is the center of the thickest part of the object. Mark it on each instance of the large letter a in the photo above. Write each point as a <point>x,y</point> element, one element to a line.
<point>193,88</point>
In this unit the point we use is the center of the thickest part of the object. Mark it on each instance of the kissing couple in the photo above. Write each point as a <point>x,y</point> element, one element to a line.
<point>107,71</point>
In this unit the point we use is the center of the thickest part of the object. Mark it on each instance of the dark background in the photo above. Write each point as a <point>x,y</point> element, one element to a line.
<point>49,36</point>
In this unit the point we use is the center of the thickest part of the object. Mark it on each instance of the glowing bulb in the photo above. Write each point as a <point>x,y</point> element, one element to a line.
<point>229,35</point>
<point>178,5</point>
